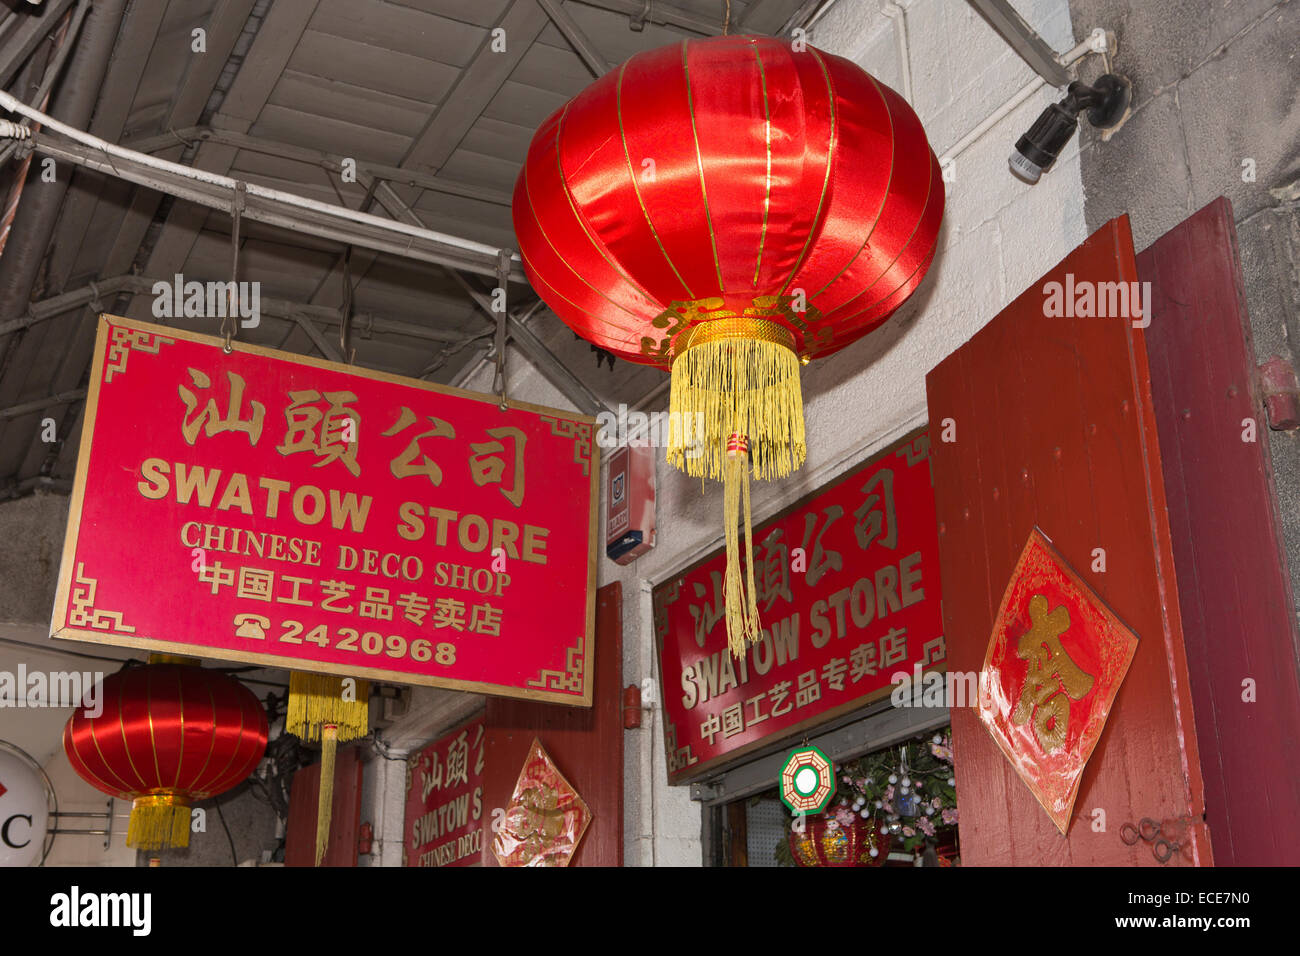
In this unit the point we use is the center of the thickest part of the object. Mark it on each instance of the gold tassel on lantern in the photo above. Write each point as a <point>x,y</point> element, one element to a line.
<point>159,821</point>
<point>318,711</point>
<point>736,408</point>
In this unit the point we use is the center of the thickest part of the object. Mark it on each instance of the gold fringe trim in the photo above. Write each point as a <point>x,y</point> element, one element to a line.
<point>317,699</point>
<point>741,378</point>
<point>159,821</point>
<point>325,801</point>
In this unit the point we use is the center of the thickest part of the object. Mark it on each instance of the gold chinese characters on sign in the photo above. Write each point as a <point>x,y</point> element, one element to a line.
<point>323,425</point>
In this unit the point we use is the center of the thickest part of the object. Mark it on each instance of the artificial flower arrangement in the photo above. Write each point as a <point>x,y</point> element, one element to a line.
<point>909,791</point>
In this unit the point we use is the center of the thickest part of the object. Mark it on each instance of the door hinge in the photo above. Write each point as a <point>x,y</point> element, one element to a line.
<point>1277,379</point>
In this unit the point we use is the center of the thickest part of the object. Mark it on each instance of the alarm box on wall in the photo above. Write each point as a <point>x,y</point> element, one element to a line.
<point>630,504</point>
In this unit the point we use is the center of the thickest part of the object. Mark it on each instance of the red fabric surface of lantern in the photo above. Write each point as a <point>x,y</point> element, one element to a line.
<point>167,731</point>
<point>733,168</point>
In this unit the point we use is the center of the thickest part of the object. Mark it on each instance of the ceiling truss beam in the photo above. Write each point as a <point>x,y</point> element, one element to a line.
<point>542,358</point>
<point>34,25</point>
<point>330,161</point>
<point>1031,47</point>
<point>580,42</point>
<point>663,14</point>
<point>279,308</point>
<point>322,220</point>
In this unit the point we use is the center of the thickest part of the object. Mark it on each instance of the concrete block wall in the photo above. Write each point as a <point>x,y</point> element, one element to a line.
<point>32,529</point>
<point>1216,111</point>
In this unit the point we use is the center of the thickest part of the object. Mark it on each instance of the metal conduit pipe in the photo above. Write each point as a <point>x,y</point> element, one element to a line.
<point>280,208</point>
<point>37,215</point>
<point>1097,42</point>
<point>899,16</point>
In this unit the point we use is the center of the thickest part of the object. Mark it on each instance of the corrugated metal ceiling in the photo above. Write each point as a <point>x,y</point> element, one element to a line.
<point>281,95</point>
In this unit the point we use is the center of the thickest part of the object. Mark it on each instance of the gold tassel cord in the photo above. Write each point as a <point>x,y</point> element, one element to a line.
<point>159,821</point>
<point>321,708</point>
<point>325,801</point>
<point>736,408</point>
<point>741,598</point>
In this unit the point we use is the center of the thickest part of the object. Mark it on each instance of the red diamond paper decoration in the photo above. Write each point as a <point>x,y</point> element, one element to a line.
<point>546,818</point>
<point>1055,662</point>
<point>3,789</point>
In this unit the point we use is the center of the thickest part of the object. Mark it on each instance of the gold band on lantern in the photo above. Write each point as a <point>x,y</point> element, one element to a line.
<point>733,327</point>
<point>735,375</point>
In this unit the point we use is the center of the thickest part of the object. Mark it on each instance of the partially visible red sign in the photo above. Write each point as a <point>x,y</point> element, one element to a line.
<point>848,593</point>
<point>291,512</point>
<point>1054,664</point>
<point>444,800</point>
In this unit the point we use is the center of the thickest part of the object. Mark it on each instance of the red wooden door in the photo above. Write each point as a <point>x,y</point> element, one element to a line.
<point>586,744</point>
<point>1055,427</point>
<point>345,814</point>
<point>1238,612</point>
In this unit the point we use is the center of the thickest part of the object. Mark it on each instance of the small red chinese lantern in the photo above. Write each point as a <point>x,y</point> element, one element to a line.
<point>825,842</point>
<point>727,208</point>
<point>169,734</point>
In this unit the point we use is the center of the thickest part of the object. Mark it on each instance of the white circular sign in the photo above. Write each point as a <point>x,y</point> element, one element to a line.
<point>24,813</point>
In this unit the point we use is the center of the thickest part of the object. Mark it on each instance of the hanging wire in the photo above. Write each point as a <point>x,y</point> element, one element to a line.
<point>499,378</point>
<point>232,307</point>
<point>726,19</point>
<point>345,326</point>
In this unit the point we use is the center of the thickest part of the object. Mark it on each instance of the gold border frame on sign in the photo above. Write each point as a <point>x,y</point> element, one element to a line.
<point>67,569</point>
<point>771,743</point>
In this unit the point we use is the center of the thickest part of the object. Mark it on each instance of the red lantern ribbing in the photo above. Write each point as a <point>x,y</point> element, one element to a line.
<point>168,734</point>
<point>727,208</point>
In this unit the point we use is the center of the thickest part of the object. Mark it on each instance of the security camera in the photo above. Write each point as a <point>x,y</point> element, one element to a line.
<point>1106,102</point>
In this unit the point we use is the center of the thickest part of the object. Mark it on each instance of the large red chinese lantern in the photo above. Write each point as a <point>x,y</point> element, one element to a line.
<point>168,734</point>
<point>728,208</point>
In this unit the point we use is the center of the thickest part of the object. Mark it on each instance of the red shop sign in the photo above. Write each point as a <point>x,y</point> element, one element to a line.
<point>281,510</point>
<point>848,592</point>
<point>444,800</point>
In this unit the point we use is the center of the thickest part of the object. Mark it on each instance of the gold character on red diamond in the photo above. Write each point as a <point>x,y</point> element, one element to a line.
<point>210,420</point>
<point>338,426</point>
<point>1052,676</point>
<point>487,466</point>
